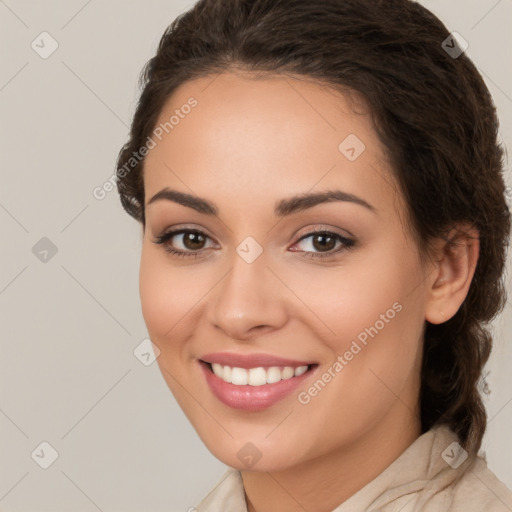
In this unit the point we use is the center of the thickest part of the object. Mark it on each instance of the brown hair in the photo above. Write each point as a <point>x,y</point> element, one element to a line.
<point>431,110</point>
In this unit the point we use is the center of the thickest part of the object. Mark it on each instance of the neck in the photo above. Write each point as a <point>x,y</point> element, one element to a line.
<point>322,484</point>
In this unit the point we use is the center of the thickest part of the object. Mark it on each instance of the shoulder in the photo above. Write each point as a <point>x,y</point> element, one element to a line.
<point>228,495</point>
<point>480,489</point>
<point>435,474</point>
<point>461,482</point>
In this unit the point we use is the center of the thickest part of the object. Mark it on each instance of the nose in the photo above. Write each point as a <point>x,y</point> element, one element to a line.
<point>249,301</point>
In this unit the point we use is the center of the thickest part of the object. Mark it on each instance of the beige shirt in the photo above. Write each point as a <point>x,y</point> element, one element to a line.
<point>433,475</point>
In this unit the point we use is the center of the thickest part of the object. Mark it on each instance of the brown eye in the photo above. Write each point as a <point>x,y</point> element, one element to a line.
<point>183,242</point>
<point>193,241</point>
<point>324,242</point>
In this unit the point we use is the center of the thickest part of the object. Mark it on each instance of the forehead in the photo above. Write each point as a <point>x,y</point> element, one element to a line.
<point>267,135</point>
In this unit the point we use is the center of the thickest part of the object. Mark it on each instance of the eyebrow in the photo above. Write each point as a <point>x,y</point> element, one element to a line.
<point>282,208</point>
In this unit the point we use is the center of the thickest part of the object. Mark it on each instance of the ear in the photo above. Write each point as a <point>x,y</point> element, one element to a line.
<point>455,260</point>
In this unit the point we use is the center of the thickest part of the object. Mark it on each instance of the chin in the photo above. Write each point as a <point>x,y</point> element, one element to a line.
<point>259,455</point>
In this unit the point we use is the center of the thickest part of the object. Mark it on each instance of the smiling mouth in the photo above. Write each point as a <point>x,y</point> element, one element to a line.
<point>257,376</point>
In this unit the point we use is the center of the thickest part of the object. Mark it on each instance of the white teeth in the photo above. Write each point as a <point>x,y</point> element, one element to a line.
<point>256,376</point>
<point>226,375</point>
<point>288,372</point>
<point>239,376</point>
<point>273,375</point>
<point>300,370</point>
<point>217,369</point>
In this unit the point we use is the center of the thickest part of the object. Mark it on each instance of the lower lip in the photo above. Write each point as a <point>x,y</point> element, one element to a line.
<point>252,398</point>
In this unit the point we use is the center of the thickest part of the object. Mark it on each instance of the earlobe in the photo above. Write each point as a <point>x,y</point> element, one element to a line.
<point>456,260</point>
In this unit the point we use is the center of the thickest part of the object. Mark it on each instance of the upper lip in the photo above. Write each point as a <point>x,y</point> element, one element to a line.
<point>251,360</point>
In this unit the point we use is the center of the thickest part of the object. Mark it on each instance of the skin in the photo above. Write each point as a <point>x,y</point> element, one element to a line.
<point>248,144</point>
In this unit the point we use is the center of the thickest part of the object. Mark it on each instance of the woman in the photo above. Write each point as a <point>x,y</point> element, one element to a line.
<point>324,235</point>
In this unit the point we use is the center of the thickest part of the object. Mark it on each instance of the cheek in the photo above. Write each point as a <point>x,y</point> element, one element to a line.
<point>366,291</point>
<point>166,299</point>
<point>156,301</point>
<point>374,310</point>
<point>380,330</point>
<point>166,294</point>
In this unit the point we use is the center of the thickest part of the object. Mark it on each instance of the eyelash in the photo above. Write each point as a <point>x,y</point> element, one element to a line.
<point>165,237</point>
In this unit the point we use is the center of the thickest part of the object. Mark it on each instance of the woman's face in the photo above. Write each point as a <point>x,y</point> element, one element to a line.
<point>266,278</point>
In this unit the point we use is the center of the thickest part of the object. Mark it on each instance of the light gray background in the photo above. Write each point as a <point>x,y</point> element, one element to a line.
<point>69,325</point>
